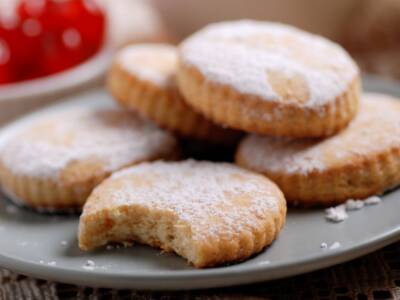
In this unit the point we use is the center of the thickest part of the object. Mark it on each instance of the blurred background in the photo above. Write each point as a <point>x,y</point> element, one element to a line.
<point>39,38</point>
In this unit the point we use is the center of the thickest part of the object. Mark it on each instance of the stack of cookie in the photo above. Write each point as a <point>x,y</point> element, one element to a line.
<point>312,139</point>
<point>297,94</point>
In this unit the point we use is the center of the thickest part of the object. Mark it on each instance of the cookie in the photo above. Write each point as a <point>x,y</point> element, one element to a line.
<point>208,213</point>
<point>142,78</point>
<point>53,161</point>
<point>269,78</point>
<point>360,161</point>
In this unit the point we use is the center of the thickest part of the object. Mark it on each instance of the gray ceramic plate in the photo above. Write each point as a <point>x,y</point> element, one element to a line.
<point>45,246</point>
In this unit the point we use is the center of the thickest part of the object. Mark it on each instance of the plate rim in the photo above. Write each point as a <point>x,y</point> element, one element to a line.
<point>199,279</point>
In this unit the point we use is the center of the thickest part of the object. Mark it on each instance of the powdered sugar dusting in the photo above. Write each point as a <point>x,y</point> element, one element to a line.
<point>323,245</point>
<point>153,62</point>
<point>375,129</point>
<point>241,54</point>
<point>89,265</point>
<point>336,214</point>
<point>335,245</point>
<point>354,204</point>
<point>107,137</point>
<point>208,197</point>
<point>374,200</point>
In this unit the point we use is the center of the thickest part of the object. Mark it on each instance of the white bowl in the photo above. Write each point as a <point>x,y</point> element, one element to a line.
<point>128,21</point>
<point>27,95</point>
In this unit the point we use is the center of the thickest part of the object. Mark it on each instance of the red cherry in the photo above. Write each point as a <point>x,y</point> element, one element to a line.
<point>49,36</point>
<point>6,75</point>
<point>81,24</point>
<point>62,14</point>
<point>5,53</point>
<point>32,8</point>
<point>92,30</point>
<point>26,48</point>
<point>92,27</point>
<point>62,52</point>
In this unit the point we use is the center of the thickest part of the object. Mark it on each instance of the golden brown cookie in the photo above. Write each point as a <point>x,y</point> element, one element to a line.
<point>53,161</point>
<point>209,213</point>
<point>269,78</point>
<point>142,78</point>
<point>360,161</point>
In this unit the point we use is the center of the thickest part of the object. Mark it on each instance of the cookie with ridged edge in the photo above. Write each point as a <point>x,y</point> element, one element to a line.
<point>53,161</point>
<point>269,78</point>
<point>142,78</point>
<point>360,161</point>
<point>209,213</point>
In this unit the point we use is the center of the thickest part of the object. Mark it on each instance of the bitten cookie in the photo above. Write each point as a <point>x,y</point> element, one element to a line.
<point>142,78</point>
<point>209,213</point>
<point>360,161</point>
<point>269,78</point>
<point>53,161</point>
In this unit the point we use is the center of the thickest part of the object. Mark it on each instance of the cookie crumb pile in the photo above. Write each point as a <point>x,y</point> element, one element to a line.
<point>311,138</point>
